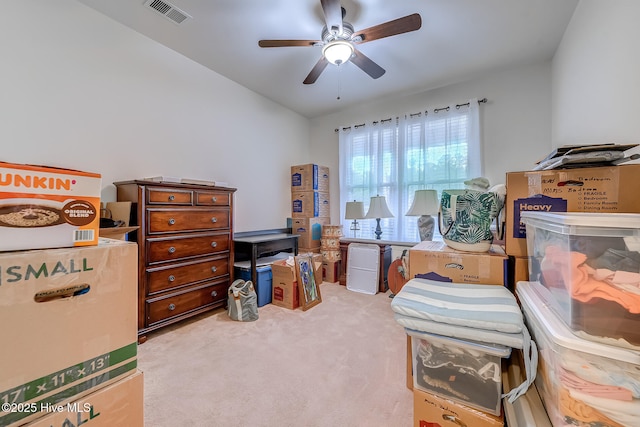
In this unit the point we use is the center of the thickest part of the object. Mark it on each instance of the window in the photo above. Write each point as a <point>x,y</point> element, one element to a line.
<point>439,149</point>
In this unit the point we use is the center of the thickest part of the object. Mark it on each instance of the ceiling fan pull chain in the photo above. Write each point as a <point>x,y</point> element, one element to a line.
<point>339,82</point>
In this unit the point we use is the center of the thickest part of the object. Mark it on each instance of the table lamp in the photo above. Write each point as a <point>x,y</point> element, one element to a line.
<point>354,211</point>
<point>425,203</point>
<point>378,209</point>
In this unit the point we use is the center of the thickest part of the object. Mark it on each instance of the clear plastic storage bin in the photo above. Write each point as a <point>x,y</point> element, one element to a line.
<point>589,267</point>
<point>581,382</point>
<point>465,371</point>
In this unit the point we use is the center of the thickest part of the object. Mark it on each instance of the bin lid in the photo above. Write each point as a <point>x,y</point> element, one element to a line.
<point>590,219</point>
<point>542,318</point>
<point>491,349</point>
<point>584,223</point>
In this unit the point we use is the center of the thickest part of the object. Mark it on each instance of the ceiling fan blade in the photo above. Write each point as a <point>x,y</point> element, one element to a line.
<point>332,14</point>
<point>316,71</point>
<point>285,43</point>
<point>367,65</point>
<point>391,28</point>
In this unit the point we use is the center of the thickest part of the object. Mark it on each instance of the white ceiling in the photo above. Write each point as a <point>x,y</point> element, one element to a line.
<point>459,39</point>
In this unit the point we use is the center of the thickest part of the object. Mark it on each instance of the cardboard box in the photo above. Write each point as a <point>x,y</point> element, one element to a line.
<point>330,271</point>
<point>489,268</point>
<point>118,233</point>
<point>285,285</point>
<point>44,207</point>
<point>120,404</point>
<point>430,410</point>
<point>310,204</point>
<point>309,230</point>
<point>520,270</point>
<point>73,317</point>
<point>309,177</point>
<point>601,189</point>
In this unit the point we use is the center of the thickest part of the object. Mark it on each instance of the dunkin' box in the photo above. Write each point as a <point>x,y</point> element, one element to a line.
<point>436,261</point>
<point>69,319</point>
<point>119,404</point>
<point>45,207</point>
<point>599,189</point>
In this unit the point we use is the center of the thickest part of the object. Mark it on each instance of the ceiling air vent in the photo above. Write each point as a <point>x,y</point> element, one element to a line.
<point>168,10</point>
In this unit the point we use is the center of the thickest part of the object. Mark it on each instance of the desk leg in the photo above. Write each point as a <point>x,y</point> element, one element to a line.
<point>254,261</point>
<point>385,262</point>
<point>343,263</point>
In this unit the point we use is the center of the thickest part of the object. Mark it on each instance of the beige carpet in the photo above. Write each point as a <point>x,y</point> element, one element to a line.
<point>341,363</point>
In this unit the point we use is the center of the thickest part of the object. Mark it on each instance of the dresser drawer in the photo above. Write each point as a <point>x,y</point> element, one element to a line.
<point>213,198</point>
<point>183,247</point>
<point>175,220</point>
<point>176,276</point>
<point>173,305</point>
<point>161,196</point>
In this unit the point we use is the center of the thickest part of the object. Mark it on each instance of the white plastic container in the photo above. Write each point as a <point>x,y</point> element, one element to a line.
<point>363,268</point>
<point>465,371</point>
<point>581,382</point>
<point>589,265</point>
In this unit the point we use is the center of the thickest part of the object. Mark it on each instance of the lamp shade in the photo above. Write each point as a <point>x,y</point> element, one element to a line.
<point>378,208</point>
<point>338,52</point>
<point>354,210</point>
<point>425,202</point>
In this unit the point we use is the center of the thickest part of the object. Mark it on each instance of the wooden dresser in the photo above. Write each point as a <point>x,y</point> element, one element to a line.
<point>185,249</point>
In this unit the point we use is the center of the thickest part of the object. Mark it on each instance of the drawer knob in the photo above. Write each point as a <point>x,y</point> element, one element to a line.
<point>172,221</point>
<point>172,278</point>
<point>214,293</point>
<point>172,249</point>
<point>214,244</point>
<point>214,199</point>
<point>214,219</point>
<point>214,269</point>
<point>172,197</point>
<point>172,307</point>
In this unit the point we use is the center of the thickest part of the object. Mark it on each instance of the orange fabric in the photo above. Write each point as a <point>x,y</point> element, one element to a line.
<point>582,286</point>
<point>580,411</point>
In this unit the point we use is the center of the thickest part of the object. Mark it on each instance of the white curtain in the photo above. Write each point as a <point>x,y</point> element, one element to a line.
<point>436,149</point>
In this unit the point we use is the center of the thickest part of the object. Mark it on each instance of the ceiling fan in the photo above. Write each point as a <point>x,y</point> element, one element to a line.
<point>339,40</point>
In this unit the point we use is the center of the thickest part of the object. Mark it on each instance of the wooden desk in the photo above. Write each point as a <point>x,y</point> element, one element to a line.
<point>385,260</point>
<point>252,245</point>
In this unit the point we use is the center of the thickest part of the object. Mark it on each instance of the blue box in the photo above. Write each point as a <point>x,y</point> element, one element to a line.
<point>263,285</point>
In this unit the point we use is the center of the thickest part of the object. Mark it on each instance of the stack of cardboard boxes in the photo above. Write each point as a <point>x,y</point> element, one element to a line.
<point>309,205</point>
<point>310,210</point>
<point>436,261</point>
<point>69,353</point>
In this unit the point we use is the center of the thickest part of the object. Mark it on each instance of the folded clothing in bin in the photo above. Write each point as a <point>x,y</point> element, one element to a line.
<point>483,313</point>
<point>462,370</point>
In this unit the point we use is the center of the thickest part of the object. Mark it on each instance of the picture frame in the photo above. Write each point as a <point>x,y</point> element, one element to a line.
<point>308,289</point>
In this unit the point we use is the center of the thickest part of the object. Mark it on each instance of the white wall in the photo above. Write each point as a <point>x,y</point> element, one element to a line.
<point>516,121</point>
<point>596,75</point>
<point>81,91</point>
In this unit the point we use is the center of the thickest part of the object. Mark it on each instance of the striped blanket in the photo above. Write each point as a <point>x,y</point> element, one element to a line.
<point>482,313</point>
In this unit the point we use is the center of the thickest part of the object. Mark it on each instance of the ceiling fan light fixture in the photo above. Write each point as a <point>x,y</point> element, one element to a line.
<point>338,51</point>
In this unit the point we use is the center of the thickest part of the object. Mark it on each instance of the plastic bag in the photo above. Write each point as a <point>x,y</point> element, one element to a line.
<point>242,301</point>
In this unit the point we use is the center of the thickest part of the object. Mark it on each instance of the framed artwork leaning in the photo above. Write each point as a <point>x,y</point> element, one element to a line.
<point>308,288</point>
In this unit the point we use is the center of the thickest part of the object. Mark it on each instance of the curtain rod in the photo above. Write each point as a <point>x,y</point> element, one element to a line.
<point>435,110</point>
